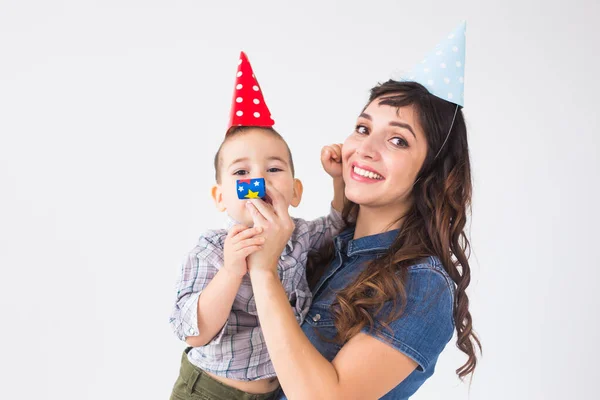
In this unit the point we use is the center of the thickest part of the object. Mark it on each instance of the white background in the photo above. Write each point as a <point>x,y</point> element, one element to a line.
<point>110,114</point>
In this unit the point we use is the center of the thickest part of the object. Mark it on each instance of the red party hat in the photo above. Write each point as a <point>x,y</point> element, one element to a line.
<point>248,107</point>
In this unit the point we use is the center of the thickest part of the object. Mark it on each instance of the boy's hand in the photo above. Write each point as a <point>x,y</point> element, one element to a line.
<point>240,242</point>
<point>331,158</point>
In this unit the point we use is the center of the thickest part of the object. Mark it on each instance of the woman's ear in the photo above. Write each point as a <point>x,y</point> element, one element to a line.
<point>217,195</point>
<point>297,196</point>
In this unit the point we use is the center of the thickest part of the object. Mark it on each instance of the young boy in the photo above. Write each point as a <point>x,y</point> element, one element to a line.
<point>215,312</point>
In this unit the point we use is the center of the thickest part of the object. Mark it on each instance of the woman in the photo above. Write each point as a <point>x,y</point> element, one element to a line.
<point>389,295</point>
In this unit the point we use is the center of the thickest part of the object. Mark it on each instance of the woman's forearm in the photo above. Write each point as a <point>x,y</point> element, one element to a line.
<point>338,194</point>
<point>303,372</point>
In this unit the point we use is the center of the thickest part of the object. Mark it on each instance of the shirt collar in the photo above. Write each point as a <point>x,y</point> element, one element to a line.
<point>366,244</point>
<point>230,223</point>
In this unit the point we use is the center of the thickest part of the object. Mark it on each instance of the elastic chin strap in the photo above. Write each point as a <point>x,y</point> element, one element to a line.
<point>445,140</point>
<point>448,135</point>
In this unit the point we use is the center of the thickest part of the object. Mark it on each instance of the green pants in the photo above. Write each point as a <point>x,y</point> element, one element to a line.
<point>194,384</point>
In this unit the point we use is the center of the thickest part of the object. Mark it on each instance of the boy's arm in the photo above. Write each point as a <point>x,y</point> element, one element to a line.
<point>205,293</point>
<point>198,274</point>
<point>214,307</point>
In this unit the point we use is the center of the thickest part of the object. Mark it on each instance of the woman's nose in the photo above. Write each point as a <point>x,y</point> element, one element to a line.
<point>368,148</point>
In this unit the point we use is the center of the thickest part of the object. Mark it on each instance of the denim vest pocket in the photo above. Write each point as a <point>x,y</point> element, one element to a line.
<point>320,329</point>
<point>319,315</point>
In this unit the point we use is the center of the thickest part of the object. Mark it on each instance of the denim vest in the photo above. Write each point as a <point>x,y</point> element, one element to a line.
<point>421,332</point>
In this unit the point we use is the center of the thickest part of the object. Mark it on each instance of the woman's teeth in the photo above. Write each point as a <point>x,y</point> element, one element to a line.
<point>367,174</point>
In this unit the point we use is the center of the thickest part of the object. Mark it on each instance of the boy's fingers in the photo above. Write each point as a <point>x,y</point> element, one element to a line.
<point>249,250</point>
<point>235,230</point>
<point>250,242</point>
<point>249,232</point>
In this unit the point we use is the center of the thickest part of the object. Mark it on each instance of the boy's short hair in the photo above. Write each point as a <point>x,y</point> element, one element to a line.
<point>236,130</point>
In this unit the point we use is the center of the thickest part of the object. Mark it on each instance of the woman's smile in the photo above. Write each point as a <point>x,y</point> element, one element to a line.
<point>366,174</point>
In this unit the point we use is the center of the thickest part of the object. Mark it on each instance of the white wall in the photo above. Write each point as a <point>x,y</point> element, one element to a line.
<point>110,113</point>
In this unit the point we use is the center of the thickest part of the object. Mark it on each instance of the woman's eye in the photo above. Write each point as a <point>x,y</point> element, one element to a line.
<point>361,130</point>
<point>399,142</point>
<point>274,169</point>
<point>240,172</point>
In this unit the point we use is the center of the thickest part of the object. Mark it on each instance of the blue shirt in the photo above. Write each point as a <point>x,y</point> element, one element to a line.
<point>423,329</point>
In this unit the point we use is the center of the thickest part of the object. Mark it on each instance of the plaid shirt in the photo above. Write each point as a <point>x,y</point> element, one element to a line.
<point>239,351</point>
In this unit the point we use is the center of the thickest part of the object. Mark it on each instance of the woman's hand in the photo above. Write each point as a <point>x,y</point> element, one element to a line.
<point>331,158</point>
<point>277,227</point>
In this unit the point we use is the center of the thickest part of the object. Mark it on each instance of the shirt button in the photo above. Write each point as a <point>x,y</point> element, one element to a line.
<point>282,258</point>
<point>192,332</point>
<point>317,317</point>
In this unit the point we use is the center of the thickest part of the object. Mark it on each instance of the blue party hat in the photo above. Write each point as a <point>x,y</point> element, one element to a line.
<point>442,71</point>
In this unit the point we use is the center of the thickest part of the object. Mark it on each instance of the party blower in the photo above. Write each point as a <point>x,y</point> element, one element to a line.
<point>251,188</point>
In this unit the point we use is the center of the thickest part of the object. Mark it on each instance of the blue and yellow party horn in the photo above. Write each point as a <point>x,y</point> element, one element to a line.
<point>250,188</point>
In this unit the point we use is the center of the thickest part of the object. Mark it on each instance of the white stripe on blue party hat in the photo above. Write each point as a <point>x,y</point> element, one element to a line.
<point>442,71</point>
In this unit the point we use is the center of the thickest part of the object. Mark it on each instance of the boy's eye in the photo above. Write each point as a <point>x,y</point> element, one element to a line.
<point>399,142</point>
<point>240,172</point>
<point>274,169</point>
<point>361,130</point>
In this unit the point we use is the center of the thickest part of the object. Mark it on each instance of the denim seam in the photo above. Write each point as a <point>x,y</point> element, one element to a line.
<point>409,351</point>
<point>443,273</point>
<point>447,279</point>
<point>369,250</point>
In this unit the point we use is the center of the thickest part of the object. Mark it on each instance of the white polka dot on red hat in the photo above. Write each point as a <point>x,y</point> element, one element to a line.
<point>239,99</point>
<point>239,86</point>
<point>256,114</point>
<point>239,113</point>
<point>256,101</point>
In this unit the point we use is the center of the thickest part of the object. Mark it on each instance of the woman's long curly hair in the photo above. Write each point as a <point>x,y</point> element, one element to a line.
<point>433,225</point>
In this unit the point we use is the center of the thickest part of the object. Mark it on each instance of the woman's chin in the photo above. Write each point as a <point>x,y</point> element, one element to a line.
<point>359,197</point>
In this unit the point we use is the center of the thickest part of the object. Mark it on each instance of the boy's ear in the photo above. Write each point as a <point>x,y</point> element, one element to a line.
<point>297,196</point>
<point>217,195</point>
